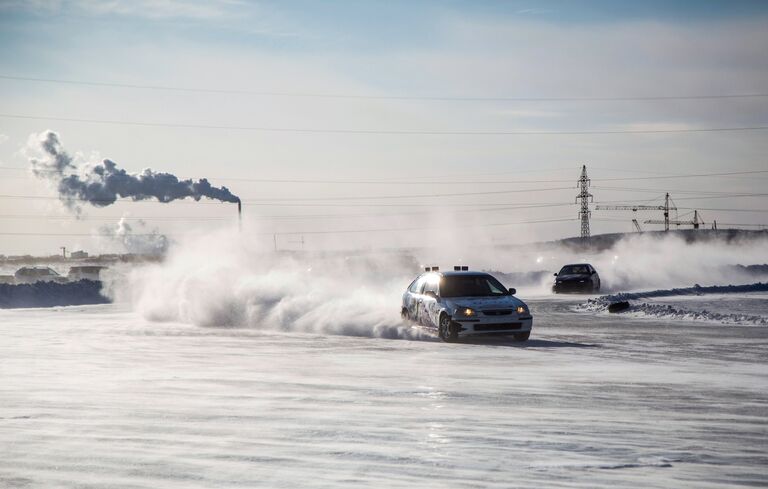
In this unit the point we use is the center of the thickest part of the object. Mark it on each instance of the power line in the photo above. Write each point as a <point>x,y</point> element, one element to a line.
<point>656,190</point>
<point>284,233</point>
<point>385,97</point>
<point>408,196</point>
<point>384,131</point>
<point>419,181</point>
<point>313,199</point>
<point>723,210</point>
<point>272,217</point>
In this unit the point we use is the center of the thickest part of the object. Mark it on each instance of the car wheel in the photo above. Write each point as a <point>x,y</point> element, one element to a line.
<point>404,314</point>
<point>446,330</point>
<point>522,336</point>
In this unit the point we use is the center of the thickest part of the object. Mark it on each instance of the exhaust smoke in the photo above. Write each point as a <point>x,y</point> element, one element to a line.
<point>101,184</point>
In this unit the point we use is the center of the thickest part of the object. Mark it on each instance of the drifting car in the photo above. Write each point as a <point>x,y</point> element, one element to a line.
<point>464,303</point>
<point>578,277</point>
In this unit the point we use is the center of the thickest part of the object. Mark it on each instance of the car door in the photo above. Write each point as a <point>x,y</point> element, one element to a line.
<point>429,304</point>
<point>413,298</point>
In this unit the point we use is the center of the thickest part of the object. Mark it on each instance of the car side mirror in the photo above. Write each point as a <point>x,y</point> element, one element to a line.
<point>555,275</point>
<point>512,291</point>
<point>431,294</point>
<point>592,272</point>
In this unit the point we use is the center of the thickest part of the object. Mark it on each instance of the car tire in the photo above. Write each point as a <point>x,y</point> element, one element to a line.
<point>522,336</point>
<point>446,330</point>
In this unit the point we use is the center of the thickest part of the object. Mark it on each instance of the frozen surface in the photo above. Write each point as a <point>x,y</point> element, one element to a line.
<point>97,397</point>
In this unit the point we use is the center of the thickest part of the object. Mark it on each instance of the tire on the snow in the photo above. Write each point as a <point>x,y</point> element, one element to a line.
<point>522,336</point>
<point>447,330</point>
<point>618,306</point>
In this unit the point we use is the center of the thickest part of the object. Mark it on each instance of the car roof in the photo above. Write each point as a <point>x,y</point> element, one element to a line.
<point>578,265</point>
<point>452,273</point>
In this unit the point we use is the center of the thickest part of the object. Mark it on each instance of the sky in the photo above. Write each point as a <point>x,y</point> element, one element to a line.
<point>384,124</point>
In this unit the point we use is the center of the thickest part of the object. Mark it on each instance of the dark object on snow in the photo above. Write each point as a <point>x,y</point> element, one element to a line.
<point>51,294</point>
<point>579,277</point>
<point>618,306</point>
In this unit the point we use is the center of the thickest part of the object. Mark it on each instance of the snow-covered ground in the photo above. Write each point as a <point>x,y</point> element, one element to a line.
<point>99,397</point>
<point>729,304</point>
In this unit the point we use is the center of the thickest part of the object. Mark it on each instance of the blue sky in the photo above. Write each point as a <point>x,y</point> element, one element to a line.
<point>410,49</point>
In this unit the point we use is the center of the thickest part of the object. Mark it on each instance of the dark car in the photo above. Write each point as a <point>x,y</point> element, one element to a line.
<point>578,277</point>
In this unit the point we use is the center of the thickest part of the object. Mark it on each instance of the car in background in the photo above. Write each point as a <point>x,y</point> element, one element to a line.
<point>31,275</point>
<point>464,303</point>
<point>577,277</point>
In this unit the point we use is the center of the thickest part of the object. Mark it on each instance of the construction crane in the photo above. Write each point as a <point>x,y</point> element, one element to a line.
<point>695,222</point>
<point>634,208</point>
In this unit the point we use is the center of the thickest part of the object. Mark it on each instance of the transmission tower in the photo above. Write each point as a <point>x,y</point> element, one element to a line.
<point>585,198</point>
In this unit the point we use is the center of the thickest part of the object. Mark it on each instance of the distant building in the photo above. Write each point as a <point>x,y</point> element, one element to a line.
<point>89,272</point>
<point>78,255</point>
<point>30,275</point>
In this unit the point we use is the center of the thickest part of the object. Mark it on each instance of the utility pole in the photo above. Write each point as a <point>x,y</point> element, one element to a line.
<point>64,251</point>
<point>586,198</point>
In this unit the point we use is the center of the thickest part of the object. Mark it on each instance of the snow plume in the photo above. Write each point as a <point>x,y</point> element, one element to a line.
<point>101,184</point>
<point>123,238</point>
<point>222,280</point>
<point>638,261</point>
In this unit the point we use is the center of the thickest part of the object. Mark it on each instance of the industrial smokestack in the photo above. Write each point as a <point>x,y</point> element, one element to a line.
<point>101,184</point>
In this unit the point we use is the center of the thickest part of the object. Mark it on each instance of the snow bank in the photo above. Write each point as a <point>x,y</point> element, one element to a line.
<point>667,311</point>
<point>50,294</point>
<point>695,290</point>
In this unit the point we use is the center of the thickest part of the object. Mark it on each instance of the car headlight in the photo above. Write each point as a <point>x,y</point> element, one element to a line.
<point>522,309</point>
<point>465,312</point>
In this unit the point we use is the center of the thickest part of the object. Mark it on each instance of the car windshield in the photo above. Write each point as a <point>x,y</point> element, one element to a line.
<point>471,286</point>
<point>574,270</point>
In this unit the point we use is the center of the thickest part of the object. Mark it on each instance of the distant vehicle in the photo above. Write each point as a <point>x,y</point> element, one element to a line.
<point>579,277</point>
<point>463,303</point>
<point>30,275</point>
<point>85,272</point>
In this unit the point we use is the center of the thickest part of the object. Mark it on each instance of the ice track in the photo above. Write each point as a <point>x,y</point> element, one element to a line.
<point>96,397</point>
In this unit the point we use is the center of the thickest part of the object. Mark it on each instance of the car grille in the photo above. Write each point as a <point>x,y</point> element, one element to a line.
<point>573,285</point>
<point>498,327</point>
<point>497,312</point>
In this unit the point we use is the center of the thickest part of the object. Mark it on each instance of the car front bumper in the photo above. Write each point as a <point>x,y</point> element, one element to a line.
<point>573,287</point>
<point>494,326</point>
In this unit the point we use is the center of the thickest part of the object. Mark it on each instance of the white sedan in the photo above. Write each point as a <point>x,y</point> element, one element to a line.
<point>463,303</point>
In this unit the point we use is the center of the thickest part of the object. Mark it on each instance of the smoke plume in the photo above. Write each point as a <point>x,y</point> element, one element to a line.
<point>101,184</point>
<point>123,238</point>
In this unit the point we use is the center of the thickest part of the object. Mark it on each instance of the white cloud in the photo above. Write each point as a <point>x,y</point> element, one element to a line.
<point>159,9</point>
<point>153,9</point>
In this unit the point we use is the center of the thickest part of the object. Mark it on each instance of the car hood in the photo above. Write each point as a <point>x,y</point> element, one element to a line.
<point>571,278</point>
<point>480,303</point>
